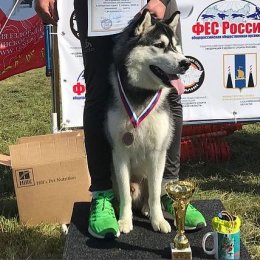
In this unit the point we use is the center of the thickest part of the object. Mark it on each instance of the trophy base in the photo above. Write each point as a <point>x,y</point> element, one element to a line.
<point>181,254</point>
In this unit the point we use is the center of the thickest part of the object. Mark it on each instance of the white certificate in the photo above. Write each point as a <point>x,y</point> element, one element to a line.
<point>107,17</point>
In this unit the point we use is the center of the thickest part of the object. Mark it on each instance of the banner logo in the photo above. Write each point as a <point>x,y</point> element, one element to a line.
<point>240,71</point>
<point>73,25</point>
<point>228,19</point>
<point>194,76</point>
<point>79,88</point>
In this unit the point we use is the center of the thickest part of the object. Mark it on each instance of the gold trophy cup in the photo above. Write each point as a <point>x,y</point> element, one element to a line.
<point>180,192</point>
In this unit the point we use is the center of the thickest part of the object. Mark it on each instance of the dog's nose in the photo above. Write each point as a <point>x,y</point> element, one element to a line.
<point>184,64</point>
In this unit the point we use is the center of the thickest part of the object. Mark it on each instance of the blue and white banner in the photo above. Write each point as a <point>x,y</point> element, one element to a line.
<point>222,40</point>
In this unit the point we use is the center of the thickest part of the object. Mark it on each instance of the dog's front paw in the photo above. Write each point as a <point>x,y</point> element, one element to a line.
<point>161,225</point>
<point>125,225</point>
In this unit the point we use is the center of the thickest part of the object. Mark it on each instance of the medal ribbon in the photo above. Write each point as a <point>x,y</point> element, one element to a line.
<point>136,121</point>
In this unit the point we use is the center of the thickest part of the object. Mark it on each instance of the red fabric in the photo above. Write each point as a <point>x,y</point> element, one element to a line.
<point>21,45</point>
<point>207,142</point>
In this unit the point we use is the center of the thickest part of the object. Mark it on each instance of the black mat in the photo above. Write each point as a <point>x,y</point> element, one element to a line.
<point>141,243</point>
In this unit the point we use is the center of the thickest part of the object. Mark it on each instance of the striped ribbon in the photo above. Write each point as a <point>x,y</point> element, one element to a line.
<point>136,120</point>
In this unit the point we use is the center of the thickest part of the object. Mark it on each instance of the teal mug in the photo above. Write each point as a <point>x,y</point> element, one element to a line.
<point>226,246</point>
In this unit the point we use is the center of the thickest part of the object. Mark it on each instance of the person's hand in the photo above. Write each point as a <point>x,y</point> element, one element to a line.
<point>156,8</point>
<point>47,10</point>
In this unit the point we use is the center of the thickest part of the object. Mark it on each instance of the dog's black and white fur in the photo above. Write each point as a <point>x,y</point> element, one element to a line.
<point>147,57</point>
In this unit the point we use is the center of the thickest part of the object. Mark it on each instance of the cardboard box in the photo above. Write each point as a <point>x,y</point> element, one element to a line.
<point>50,174</point>
<point>5,160</point>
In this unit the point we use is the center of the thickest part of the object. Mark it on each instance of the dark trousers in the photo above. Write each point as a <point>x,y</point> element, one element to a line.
<point>97,57</point>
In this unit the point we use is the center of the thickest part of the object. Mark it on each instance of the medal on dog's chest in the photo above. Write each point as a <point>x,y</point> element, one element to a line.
<point>128,138</point>
<point>136,120</point>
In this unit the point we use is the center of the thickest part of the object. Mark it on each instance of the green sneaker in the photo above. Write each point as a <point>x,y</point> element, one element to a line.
<point>193,219</point>
<point>102,219</point>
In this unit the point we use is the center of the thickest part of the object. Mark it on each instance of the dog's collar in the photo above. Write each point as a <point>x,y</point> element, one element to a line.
<point>136,120</point>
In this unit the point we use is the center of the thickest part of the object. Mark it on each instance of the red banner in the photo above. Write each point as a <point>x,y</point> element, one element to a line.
<point>21,39</point>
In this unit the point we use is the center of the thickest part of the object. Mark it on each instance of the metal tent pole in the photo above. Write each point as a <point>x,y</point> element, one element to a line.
<point>52,69</point>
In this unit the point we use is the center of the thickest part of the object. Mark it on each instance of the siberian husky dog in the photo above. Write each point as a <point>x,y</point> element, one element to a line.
<point>148,60</point>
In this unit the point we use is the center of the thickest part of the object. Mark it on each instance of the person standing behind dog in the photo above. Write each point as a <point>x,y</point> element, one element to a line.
<point>97,60</point>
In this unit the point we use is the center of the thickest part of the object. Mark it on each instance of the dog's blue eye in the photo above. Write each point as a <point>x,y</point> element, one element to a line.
<point>160,45</point>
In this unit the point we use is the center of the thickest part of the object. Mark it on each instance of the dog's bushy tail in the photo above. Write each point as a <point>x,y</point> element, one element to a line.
<point>135,191</point>
<point>139,193</point>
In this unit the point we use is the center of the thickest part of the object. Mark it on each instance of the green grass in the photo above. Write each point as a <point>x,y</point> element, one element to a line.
<point>25,110</point>
<point>25,107</point>
<point>19,241</point>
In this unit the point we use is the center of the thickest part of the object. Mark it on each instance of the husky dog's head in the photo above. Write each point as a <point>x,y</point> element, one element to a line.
<point>150,54</point>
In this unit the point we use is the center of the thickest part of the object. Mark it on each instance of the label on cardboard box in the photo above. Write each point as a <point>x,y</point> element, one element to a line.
<point>50,174</point>
<point>24,177</point>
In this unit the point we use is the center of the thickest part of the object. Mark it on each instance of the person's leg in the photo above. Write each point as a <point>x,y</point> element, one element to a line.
<point>97,56</point>
<point>193,219</point>
<point>172,165</point>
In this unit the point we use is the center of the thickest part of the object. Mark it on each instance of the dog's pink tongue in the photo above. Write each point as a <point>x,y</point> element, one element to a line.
<point>177,83</point>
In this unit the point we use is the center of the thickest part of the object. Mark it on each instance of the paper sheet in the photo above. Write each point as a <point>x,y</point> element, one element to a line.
<point>107,17</point>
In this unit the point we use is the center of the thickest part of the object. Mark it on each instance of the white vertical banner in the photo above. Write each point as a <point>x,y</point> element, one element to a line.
<point>71,66</point>
<point>222,40</point>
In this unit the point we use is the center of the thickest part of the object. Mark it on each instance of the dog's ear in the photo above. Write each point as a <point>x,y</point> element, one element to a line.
<point>173,21</point>
<point>144,22</point>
